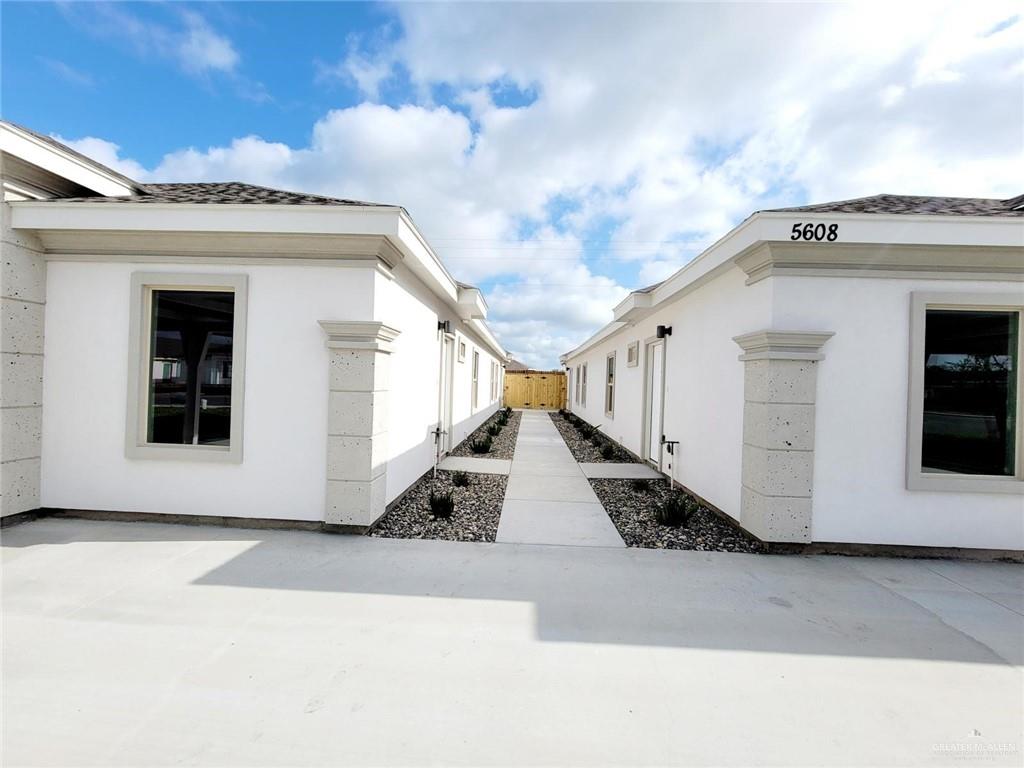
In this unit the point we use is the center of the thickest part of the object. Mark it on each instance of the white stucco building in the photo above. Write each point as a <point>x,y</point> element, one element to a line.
<point>846,373</point>
<point>223,349</point>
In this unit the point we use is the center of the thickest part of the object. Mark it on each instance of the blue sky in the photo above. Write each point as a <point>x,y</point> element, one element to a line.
<point>556,155</point>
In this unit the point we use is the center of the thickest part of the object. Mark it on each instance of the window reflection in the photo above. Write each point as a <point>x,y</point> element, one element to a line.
<point>190,367</point>
<point>970,392</point>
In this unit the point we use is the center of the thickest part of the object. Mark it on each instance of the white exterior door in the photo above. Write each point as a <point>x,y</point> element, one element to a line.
<point>655,396</point>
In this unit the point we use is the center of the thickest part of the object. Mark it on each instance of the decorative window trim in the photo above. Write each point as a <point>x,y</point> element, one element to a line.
<point>140,318</point>
<point>633,354</point>
<point>474,376</point>
<point>583,387</point>
<point>577,383</point>
<point>609,386</point>
<point>460,349</point>
<point>928,481</point>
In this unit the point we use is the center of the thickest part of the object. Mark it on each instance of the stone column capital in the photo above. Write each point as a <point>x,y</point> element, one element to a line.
<point>359,334</point>
<point>770,344</point>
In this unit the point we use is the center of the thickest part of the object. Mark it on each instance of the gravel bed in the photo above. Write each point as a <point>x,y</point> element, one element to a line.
<point>477,509</point>
<point>502,446</point>
<point>632,512</point>
<point>583,450</point>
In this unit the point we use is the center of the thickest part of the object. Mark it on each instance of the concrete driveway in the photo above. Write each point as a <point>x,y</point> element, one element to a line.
<point>143,644</point>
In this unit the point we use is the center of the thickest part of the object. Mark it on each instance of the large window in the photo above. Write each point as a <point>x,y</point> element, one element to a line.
<point>187,347</point>
<point>965,398</point>
<point>609,385</point>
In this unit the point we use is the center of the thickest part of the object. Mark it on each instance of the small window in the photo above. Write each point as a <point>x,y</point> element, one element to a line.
<point>609,385</point>
<point>577,385</point>
<point>476,378</point>
<point>965,395</point>
<point>583,387</point>
<point>462,351</point>
<point>633,355</point>
<point>187,349</point>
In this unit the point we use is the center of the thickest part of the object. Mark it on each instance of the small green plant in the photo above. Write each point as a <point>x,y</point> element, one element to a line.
<point>676,511</point>
<point>607,451</point>
<point>495,429</point>
<point>641,486</point>
<point>586,431</point>
<point>460,479</point>
<point>481,445</point>
<point>502,419</point>
<point>561,412</point>
<point>442,505</point>
<point>508,412</point>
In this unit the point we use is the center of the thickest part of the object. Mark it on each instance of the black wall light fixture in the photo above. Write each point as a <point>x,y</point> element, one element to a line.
<point>444,326</point>
<point>663,331</point>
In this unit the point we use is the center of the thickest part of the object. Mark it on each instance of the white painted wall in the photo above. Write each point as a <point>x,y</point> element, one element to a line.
<point>283,471</point>
<point>860,492</point>
<point>703,383</point>
<point>406,304</point>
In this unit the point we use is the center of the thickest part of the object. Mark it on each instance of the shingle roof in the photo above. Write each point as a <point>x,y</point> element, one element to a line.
<point>228,192</point>
<point>916,204</point>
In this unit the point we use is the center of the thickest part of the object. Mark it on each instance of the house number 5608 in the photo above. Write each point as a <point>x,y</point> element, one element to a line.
<point>815,232</point>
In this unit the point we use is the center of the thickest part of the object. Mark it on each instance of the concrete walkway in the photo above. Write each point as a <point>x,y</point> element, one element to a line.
<point>549,500</point>
<point>136,644</point>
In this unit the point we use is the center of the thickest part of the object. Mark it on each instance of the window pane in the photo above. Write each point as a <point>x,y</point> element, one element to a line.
<point>190,367</point>
<point>970,392</point>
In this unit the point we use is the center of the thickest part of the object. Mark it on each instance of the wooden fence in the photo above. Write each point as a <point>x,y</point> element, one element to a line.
<point>535,389</point>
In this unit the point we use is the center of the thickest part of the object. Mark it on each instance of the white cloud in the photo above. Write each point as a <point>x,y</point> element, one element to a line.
<point>672,121</point>
<point>200,49</point>
<point>107,153</point>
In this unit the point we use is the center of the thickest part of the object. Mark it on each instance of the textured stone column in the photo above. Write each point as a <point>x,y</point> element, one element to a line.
<point>23,292</point>
<point>357,421</point>
<point>780,379</point>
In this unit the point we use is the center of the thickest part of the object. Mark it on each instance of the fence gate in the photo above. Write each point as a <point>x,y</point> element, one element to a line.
<point>535,389</point>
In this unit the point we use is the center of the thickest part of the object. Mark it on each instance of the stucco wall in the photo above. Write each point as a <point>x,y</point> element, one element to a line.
<point>860,492</point>
<point>703,383</point>
<point>22,307</point>
<point>282,474</point>
<point>406,304</point>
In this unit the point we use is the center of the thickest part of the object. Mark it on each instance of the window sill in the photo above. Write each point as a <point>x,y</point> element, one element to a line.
<point>950,483</point>
<point>203,453</point>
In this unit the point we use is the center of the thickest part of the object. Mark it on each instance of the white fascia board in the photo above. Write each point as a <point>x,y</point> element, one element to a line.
<point>209,217</point>
<point>632,308</point>
<point>391,222</point>
<point>863,228</point>
<point>481,329</point>
<point>471,304</point>
<point>50,158</point>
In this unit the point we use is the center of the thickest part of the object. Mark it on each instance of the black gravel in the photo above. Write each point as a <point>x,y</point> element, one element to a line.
<point>632,511</point>
<point>584,450</point>
<point>502,446</point>
<point>477,510</point>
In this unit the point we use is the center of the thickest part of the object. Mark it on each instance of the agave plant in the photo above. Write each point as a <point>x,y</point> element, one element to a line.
<point>676,511</point>
<point>607,451</point>
<point>442,505</point>
<point>481,445</point>
<point>460,479</point>
<point>495,429</point>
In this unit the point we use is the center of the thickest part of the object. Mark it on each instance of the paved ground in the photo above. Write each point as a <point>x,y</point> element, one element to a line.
<point>142,644</point>
<point>548,499</point>
<point>470,464</point>
<point>614,469</point>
